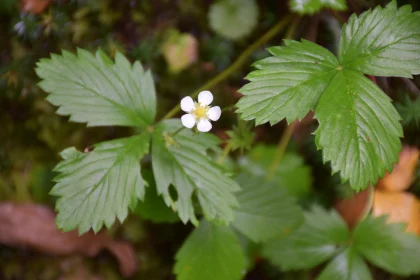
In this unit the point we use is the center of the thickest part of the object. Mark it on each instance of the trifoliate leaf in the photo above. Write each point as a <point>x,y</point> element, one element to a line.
<point>287,84</point>
<point>97,186</point>
<point>388,246</point>
<point>154,207</point>
<point>241,137</point>
<point>233,19</point>
<point>382,42</point>
<point>312,244</point>
<point>358,130</point>
<point>410,112</point>
<point>310,7</point>
<point>181,161</point>
<point>348,265</point>
<point>266,210</point>
<point>95,90</point>
<point>291,174</point>
<point>210,252</point>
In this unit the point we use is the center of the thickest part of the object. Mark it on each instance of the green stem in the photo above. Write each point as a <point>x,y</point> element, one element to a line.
<point>237,64</point>
<point>226,151</point>
<point>281,148</point>
<point>177,131</point>
<point>290,34</point>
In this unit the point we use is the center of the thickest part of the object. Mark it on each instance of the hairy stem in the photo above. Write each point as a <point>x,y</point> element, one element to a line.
<point>237,64</point>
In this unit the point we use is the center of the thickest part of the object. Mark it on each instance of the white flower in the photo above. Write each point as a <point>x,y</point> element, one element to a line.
<point>199,113</point>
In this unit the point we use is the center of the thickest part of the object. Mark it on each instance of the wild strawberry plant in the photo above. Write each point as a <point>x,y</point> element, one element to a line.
<point>242,205</point>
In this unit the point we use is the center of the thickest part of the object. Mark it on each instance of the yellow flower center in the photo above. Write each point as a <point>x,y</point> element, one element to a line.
<point>200,112</point>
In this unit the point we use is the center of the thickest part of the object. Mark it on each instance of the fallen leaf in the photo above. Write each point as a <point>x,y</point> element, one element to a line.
<point>401,207</point>
<point>180,50</point>
<point>31,225</point>
<point>402,175</point>
<point>34,6</point>
<point>353,209</point>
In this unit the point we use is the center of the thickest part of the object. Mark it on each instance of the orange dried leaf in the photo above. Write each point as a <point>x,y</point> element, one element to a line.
<point>401,207</point>
<point>353,209</point>
<point>402,175</point>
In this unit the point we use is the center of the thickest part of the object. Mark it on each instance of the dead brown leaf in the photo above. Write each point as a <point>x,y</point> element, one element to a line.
<point>402,175</point>
<point>31,225</point>
<point>34,6</point>
<point>401,207</point>
<point>353,209</point>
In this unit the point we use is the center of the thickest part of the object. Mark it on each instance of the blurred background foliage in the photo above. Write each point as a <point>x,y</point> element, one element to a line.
<point>185,43</point>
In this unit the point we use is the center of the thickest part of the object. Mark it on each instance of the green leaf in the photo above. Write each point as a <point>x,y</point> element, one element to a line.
<point>324,236</point>
<point>409,111</point>
<point>358,130</point>
<point>361,118</point>
<point>287,84</point>
<point>154,207</point>
<point>181,161</point>
<point>97,186</point>
<point>94,90</point>
<point>250,248</point>
<point>312,244</point>
<point>348,265</point>
<point>266,210</point>
<point>388,246</point>
<point>382,42</point>
<point>233,19</point>
<point>292,174</point>
<point>210,252</point>
<point>241,137</point>
<point>310,7</point>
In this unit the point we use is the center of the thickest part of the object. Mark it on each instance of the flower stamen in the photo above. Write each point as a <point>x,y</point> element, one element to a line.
<point>200,111</point>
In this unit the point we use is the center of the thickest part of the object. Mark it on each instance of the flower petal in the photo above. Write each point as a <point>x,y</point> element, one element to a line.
<point>205,97</point>
<point>188,120</point>
<point>214,113</point>
<point>203,125</point>
<point>187,104</point>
